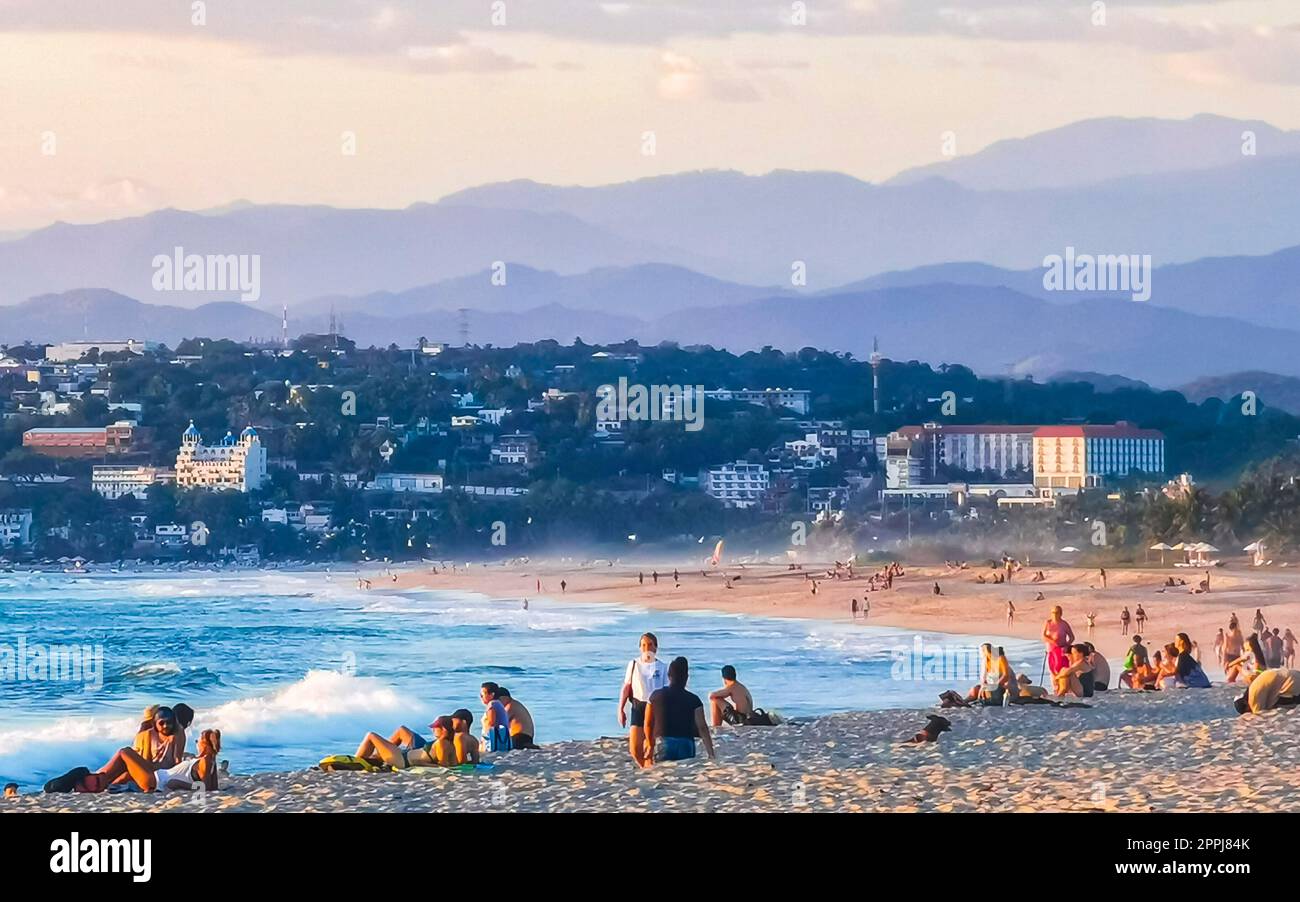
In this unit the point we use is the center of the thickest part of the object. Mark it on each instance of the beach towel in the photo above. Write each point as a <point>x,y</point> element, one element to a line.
<point>332,763</point>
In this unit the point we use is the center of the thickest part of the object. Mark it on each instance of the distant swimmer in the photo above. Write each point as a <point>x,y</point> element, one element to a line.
<point>525,604</point>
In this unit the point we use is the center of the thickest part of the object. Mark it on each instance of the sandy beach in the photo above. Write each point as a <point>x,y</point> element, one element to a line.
<point>1169,751</point>
<point>1182,750</point>
<point>965,607</point>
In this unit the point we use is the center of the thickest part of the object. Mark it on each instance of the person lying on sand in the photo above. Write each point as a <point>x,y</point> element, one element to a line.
<point>406,748</point>
<point>184,776</point>
<point>733,703</point>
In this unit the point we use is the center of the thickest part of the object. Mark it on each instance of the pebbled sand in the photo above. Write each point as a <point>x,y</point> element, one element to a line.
<point>1169,751</point>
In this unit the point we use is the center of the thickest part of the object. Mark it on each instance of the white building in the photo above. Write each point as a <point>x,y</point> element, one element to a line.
<point>797,400</point>
<point>114,482</point>
<point>15,528</point>
<point>739,484</point>
<point>235,463</point>
<point>420,483</point>
<point>515,448</point>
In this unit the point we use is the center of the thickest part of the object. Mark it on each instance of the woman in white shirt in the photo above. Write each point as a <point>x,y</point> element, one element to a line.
<point>645,674</point>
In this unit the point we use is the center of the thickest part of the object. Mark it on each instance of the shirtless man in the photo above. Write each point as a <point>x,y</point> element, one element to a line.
<point>464,742</point>
<point>522,730</point>
<point>732,698</point>
<point>1234,644</point>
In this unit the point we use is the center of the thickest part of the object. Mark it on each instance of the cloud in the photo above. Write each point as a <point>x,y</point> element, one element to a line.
<point>110,198</point>
<point>683,78</point>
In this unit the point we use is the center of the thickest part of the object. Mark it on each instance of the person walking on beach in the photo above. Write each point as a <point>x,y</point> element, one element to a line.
<point>1218,647</point>
<point>1011,613</point>
<point>866,607</point>
<point>1141,616</point>
<point>1103,577</point>
<point>640,578</point>
<point>675,719</point>
<point>1124,617</point>
<point>1092,622</point>
<point>1259,621</point>
<point>676,576</point>
<point>563,586</point>
<point>654,574</point>
<point>854,614</point>
<point>1288,648</point>
<point>646,674</point>
<point>1058,636</point>
<point>732,703</point>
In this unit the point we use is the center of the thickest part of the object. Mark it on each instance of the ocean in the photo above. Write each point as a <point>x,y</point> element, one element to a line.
<point>295,666</point>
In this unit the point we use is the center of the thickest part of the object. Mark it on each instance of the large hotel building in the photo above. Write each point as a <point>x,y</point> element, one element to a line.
<point>235,463</point>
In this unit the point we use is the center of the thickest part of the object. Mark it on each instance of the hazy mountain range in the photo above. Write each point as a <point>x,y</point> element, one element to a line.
<point>943,262</point>
<point>1177,190</point>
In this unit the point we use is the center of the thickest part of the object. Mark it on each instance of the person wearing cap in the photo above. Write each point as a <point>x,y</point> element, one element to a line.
<point>406,748</point>
<point>674,718</point>
<point>462,739</point>
<point>521,720</point>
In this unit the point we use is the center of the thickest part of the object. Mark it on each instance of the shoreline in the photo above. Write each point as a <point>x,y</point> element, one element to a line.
<point>1182,750</point>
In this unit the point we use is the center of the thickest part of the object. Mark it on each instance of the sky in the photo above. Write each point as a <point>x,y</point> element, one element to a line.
<point>115,109</point>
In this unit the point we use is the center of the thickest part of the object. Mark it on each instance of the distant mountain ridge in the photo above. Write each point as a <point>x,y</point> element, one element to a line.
<point>994,330</point>
<point>1206,200</point>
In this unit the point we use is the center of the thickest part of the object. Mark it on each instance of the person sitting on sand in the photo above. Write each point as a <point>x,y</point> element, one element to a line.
<point>406,748</point>
<point>1135,658</point>
<point>733,703</point>
<point>1076,677</point>
<point>141,775</point>
<point>1251,661</point>
<point>990,677</point>
<point>161,742</point>
<point>645,675</point>
<point>1100,668</point>
<point>496,720</point>
<point>1274,688</point>
<point>675,718</point>
<point>522,729</point>
<point>1187,670</point>
<point>462,740</point>
<point>1057,636</point>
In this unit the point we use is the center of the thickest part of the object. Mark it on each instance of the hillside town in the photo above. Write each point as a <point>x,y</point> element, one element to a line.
<point>315,448</point>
